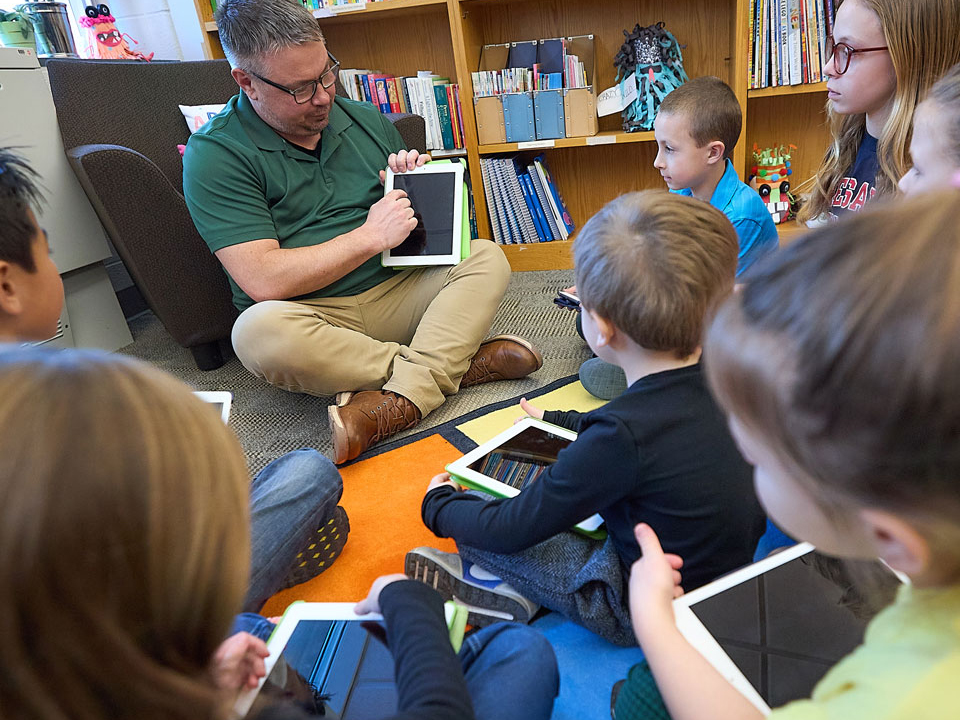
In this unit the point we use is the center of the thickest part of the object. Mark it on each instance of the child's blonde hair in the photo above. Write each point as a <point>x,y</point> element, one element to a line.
<point>124,539</point>
<point>945,94</point>
<point>841,354</point>
<point>654,264</point>
<point>921,36</point>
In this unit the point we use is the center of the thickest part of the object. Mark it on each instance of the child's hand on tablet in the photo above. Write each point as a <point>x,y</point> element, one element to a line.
<point>371,603</point>
<point>531,410</point>
<point>654,583</point>
<point>238,662</point>
<point>403,161</point>
<point>441,480</point>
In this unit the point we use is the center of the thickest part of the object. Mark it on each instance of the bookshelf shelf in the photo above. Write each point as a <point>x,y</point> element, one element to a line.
<point>787,90</point>
<point>606,137</point>
<point>554,255</point>
<point>446,36</point>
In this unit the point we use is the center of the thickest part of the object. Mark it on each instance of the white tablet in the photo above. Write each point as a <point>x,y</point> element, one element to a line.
<point>508,463</point>
<point>775,627</point>
<point>318,653</point>
<point>221,400</point>
<point>436,194</point>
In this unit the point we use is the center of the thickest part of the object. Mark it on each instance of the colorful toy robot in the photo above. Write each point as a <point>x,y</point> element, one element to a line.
<point>769,178</point>
<point>106,41</point>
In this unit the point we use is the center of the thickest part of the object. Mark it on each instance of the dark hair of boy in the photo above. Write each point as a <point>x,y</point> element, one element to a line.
<point>654,264</point>
<point>19,189</point>
<point>711,109</point>
<point>842,352</point>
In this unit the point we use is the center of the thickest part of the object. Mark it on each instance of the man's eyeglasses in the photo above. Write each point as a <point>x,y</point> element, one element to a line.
<point>305,93</point>
<point>842,53</point>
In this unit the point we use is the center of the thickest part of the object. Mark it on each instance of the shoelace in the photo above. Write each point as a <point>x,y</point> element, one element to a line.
<point>388,422</point>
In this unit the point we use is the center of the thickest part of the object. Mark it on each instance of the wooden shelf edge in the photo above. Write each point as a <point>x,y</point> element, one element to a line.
<point>602,138</point>
<point>787,90</point>
<point>790,231</point>
<point>554,255</point>
<point>374,7</point>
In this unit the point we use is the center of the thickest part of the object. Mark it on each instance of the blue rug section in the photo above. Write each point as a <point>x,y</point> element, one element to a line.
<point>589,666</point>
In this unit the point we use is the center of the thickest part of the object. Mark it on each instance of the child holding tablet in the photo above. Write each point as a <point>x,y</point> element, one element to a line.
<point>836,366</point>
<point>124,555</point>
<point>649,267</point>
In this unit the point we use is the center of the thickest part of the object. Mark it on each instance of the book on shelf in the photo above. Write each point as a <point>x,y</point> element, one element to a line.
<point>788,44</point>
<point>523,202</point>
<point>434,98</point>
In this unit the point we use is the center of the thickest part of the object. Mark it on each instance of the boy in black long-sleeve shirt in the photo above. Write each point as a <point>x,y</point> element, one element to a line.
<point>649,266</point>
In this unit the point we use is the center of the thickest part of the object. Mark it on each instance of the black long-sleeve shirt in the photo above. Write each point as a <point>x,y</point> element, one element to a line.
<point>659,453</point>
<point>430,683</point>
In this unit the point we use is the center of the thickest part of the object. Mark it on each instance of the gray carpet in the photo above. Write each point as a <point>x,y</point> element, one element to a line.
<point>270,422</point>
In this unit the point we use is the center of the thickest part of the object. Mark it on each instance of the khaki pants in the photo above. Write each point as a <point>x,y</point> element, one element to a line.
<point>413,334</point>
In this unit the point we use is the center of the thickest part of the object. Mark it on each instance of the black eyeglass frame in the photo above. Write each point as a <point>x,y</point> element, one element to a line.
<point>333,70</point>
<point>832,48</point>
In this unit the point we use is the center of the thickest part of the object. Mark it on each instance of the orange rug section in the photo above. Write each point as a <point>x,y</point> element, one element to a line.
<point>382,498</point>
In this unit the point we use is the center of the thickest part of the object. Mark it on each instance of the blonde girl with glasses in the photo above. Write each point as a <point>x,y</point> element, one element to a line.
<point>885,56</point>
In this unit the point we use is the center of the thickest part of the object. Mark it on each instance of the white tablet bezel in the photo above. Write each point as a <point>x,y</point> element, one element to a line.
<point>218,397</point>
<point>387,259</point>
<point>460,468</point>
<point>284,631</point>
<point>697,634</point>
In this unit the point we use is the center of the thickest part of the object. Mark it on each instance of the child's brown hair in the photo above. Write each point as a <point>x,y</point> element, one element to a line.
<point>19,190</point>
<point>654,263</point>
<point>711,109</point>
<point>841,354</point>
<point>124,539</point>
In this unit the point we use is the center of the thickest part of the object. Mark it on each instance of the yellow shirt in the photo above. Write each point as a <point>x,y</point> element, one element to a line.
<point>908,667</point>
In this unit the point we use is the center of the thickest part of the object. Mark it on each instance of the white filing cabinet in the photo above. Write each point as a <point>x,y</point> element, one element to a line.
<point>28,121</point>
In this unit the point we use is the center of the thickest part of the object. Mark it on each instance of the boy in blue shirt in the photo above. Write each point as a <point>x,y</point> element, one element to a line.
<point>697,127</point>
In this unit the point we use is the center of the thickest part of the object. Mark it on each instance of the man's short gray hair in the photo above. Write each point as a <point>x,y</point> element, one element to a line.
<point>252,29</point>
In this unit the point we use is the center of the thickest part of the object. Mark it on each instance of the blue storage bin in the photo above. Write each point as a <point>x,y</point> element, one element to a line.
<point>548,114</point>
<point>518,117</point>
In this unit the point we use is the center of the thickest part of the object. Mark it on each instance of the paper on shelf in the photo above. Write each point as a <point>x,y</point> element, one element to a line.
<point>615,99</point>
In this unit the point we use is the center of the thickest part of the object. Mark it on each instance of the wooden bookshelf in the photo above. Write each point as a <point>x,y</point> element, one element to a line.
<point>800,89</point>
<point>446,36</point>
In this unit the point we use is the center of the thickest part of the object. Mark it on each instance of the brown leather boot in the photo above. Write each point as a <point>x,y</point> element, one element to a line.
<point>367,417</point>
<point>502,357</point>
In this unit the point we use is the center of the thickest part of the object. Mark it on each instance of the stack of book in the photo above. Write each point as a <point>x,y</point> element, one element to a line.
<point>435,99</point>
<point>523,201</point>
<point>789,41</point>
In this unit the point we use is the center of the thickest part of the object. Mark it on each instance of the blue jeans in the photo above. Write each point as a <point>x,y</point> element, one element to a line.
<point>289,500</point>
<point>510,669</point>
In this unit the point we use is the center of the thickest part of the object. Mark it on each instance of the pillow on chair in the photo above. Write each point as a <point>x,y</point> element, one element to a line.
<point>198,115</point>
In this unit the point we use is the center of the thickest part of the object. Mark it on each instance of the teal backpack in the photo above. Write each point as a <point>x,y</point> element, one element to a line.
<point>653,55</point>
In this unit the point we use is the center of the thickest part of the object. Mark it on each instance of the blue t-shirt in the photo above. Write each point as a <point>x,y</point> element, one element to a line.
<point>858,186</point>
<point>751,219</point>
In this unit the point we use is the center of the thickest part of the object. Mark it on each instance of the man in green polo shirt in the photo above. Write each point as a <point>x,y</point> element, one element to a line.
<point>285,186</point>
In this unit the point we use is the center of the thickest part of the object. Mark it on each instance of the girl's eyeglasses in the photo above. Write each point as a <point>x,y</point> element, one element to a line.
<point>842,53</point>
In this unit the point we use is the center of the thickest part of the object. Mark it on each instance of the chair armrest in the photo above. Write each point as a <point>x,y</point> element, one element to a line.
<point>147,220</point>
<point>412,128</point>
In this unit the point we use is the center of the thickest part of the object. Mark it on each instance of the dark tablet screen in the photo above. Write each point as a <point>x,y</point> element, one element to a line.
<point>333,669</point>
<point>785,628</point>
<point>432,196</point>
<point>521,459</point>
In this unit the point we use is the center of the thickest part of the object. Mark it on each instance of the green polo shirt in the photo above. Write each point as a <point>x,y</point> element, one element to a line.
<point>244,182</point>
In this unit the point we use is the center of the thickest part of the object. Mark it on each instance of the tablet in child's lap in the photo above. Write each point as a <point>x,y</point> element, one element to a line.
<point>323,658</point>
<point>507,464</point>
<point>774,628</point>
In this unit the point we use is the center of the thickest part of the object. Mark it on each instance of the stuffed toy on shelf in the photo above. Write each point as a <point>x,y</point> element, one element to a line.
<point>106,40</point>
<point>769,176</point>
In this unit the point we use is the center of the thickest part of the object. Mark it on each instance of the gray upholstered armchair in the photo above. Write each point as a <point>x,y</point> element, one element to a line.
<point>121,127</point>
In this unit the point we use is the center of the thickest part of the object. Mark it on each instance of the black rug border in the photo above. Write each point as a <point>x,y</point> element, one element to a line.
<point>448,430</point>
